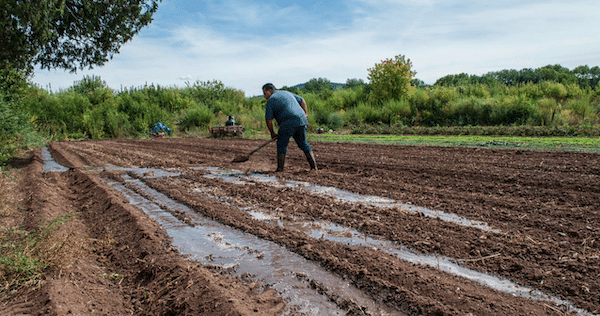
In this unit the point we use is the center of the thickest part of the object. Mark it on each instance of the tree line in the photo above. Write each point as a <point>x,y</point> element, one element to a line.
<point>584,76</point>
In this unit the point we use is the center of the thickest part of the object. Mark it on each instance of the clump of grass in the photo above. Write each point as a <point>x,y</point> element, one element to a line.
<point>25,257</point>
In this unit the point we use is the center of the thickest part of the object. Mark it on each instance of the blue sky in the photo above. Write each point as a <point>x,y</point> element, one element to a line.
<point>245,44</point>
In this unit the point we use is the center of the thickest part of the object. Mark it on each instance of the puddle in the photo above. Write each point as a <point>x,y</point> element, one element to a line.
<point>237,177</point>
<point>345,235</point>
<point>212,243</point>
<point>49,164</point>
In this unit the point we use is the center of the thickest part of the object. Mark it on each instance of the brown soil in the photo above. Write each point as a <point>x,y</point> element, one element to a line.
<point>546,205</point>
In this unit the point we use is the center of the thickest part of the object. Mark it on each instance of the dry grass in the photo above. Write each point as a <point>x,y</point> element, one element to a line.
<point>27,256</point>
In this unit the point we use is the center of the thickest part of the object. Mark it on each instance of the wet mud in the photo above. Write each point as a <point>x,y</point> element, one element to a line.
<point>378,230</point>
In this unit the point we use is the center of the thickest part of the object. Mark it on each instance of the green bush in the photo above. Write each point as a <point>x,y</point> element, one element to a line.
<point>470,111</point>
<point>477,91</point>
<point>197,116</point>
<point>445,95</point>
<point>13,127</point>
<point>554,90</point>
<point>365,113</point>
<point>397,112</point>
<point>578,111</point>
<point>515,111</point>
<point>530,91</point>
<point>549,109</point>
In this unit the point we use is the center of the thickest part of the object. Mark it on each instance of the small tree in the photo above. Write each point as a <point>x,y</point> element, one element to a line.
<point>318,85</point>
<point>354,83</point>
<point>391,80</point>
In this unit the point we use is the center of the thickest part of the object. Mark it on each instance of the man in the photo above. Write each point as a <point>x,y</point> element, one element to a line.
<point>289,110</point>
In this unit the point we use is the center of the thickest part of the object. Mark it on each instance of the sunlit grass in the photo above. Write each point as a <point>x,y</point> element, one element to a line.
<point>591,144</point>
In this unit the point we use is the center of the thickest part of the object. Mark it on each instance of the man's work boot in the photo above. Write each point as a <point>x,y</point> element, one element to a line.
<point>280,162</point>
<point>311,160</point>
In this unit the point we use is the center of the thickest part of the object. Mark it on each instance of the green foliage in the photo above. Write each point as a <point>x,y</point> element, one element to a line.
<point>548,110</point>
<point>470,111</point>
<point>445,95</point>
<point>90,109</point>
<point>317,85</point>
<point>531,91</point>
<point>515,111</point>
<point>14,128</point>
<point>68,34</point>
<point>355,83</point>
<point>213,94</point>
<point>365,113</point>
<point>554,90</point>
<point>197,116</point>
<point>583,76</point>
<point>13,83</point>
<point>397,112</point>
<point>578,111</point>
<point>391,79</point>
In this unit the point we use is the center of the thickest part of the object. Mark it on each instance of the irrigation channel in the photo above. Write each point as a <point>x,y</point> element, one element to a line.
<point>307,288</point>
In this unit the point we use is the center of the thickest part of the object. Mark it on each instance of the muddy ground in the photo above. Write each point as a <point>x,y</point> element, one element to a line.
<point>542,208</point>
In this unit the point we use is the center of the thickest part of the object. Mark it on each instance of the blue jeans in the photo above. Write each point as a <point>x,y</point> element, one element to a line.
<point>299,134</point>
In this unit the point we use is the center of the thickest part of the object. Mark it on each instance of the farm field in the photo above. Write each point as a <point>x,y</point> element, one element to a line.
<point>172,227</point>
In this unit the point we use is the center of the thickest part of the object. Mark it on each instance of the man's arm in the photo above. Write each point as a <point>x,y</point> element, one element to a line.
<point>270,127</point>
<point>303,106</point>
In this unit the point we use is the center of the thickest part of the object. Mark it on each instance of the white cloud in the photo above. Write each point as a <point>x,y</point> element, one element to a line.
<point>438,38</point>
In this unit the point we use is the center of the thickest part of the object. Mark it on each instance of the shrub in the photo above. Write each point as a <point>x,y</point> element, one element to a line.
<point>531,91</point>
<point>445,94</point>
<point>470,111</point>
<point>365,113</point>
<point>14,125</point>
<point>515,111</point>
<point>554,90</point>
<point>476,90</point>
<point>397,111</point>
<point>579,111</point>
<point>197,116</point>
<point>548,110</point>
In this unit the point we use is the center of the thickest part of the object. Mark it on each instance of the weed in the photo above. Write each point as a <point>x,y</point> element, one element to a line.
<point>114,276</point>
<point>26,256</point>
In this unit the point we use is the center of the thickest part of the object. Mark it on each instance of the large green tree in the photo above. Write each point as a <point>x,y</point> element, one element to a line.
<point>68,34</point>
<point>391,79</point>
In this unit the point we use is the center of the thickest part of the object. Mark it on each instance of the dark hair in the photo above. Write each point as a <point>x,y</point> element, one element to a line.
<point>269,86</point>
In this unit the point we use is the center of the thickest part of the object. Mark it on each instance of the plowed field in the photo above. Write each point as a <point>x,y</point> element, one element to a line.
<point>536,215</point>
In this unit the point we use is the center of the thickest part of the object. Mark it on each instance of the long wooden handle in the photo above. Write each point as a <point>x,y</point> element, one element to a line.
<point>262,145</point>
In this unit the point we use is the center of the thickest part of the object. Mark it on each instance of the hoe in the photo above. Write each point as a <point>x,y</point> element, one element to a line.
<point>243,158</point>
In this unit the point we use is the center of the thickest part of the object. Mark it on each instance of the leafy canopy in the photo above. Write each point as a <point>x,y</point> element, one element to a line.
<point>391,79</point>
<point>68,34</point>
<point>317,85</point>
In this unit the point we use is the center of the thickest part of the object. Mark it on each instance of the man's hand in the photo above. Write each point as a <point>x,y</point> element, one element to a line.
<point>270,127</point>
<point>303,106</point>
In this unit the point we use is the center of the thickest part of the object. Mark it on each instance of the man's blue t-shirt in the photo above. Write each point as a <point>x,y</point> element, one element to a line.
<point>284,107</point>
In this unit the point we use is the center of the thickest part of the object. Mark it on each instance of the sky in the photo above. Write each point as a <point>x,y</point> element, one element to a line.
<point>246,43</point>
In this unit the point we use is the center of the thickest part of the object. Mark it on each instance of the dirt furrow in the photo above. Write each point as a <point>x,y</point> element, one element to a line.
<point>411,289</point>
<point>545,203</point>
